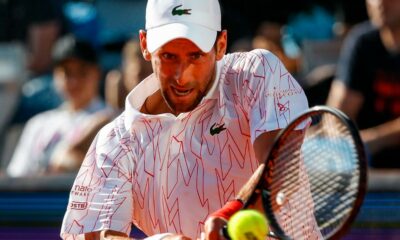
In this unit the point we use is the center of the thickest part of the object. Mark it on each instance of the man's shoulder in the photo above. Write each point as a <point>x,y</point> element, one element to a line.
<point>115,128</point>
<point>253,55</point>
<point>255,62</point>
<point>244,73</point>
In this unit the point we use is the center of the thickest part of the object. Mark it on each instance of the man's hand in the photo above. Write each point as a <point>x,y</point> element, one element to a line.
<point>213,228</point>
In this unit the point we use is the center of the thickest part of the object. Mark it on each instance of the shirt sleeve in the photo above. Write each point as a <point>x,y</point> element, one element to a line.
<point>101,196</point>
<point>274,96</point>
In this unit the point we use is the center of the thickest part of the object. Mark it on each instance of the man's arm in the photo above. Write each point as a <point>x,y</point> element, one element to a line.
<point>262,118</point>
<point>262,146</point>
<point>101,196</point>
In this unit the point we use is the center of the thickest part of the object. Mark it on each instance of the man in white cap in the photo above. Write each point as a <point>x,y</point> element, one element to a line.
<point>191,134</point>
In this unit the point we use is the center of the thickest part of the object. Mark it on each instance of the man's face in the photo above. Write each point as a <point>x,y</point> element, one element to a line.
<point>185,73</point>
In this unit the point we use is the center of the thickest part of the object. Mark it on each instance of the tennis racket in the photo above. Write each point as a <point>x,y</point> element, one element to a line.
<point>315,176</point>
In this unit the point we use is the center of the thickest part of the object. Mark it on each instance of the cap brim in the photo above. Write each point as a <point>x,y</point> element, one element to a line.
<point>203,37</point>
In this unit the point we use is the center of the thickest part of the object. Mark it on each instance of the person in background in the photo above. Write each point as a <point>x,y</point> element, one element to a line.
<point>36,25</point>
<point>367,84</point>
<point>119,83</point>
<point>28,31</point>
<point>270,36</point>
<point>45,136</point>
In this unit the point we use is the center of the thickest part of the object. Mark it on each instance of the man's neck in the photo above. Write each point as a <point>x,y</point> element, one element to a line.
<point>155,104</point>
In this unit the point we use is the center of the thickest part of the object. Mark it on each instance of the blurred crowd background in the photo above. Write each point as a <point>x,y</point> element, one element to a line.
<point>305,34</point>
<point>66,67</point>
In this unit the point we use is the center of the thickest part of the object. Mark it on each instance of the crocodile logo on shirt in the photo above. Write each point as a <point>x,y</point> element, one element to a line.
<point>216,129</point>
<point>180,12</point>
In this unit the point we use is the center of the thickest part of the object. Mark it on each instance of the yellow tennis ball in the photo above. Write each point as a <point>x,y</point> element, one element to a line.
<point>248,225</point>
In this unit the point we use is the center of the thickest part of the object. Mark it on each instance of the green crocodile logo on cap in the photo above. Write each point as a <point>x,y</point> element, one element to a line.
<point>180,12</point>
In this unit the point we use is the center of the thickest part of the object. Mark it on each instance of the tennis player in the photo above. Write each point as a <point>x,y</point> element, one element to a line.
<point>191,134</point>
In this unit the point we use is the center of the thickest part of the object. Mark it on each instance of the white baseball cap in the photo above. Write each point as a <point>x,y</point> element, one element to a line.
<point>196,20</point>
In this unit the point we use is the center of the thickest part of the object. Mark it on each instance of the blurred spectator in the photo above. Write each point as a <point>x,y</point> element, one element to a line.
<point>243,44</point>
<point>367,87</point>
<point>33,23</point>
<point>28,30</point>
<point>270,36</point>
<point>39,93</point>
<point>118,84</point>
<point>320,57</point>
<point>46,135</point>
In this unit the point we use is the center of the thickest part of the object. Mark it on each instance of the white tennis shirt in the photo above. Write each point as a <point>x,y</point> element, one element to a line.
<point>167,173</point>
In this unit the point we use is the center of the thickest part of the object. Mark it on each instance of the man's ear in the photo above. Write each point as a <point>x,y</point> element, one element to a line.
<point>221,44</point>
<point>143,45</point>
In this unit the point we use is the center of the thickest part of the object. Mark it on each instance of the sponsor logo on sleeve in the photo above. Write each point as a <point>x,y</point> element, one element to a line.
<point>78,205</point>
<point>82,191</point>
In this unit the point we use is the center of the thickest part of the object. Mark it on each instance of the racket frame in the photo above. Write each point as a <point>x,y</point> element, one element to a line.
<point>262,189</point>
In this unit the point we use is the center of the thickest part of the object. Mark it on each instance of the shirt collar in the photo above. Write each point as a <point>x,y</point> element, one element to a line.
<point>136,98</point>
<point>213,93</point>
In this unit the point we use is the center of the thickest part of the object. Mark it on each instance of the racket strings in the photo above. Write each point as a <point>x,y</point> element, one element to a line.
<point>291,153</point>
<point>339,147</point>
<point>305,186</point>
<point>328,216</point>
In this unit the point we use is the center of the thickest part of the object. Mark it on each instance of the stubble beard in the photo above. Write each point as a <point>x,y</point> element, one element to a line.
<point>177,108</point>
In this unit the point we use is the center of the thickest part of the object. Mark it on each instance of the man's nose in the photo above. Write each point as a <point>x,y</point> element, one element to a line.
<point>180,73</point>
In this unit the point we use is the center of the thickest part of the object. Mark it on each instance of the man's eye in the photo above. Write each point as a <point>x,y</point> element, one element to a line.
<point>196,56</point>
<point>168,56</point>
